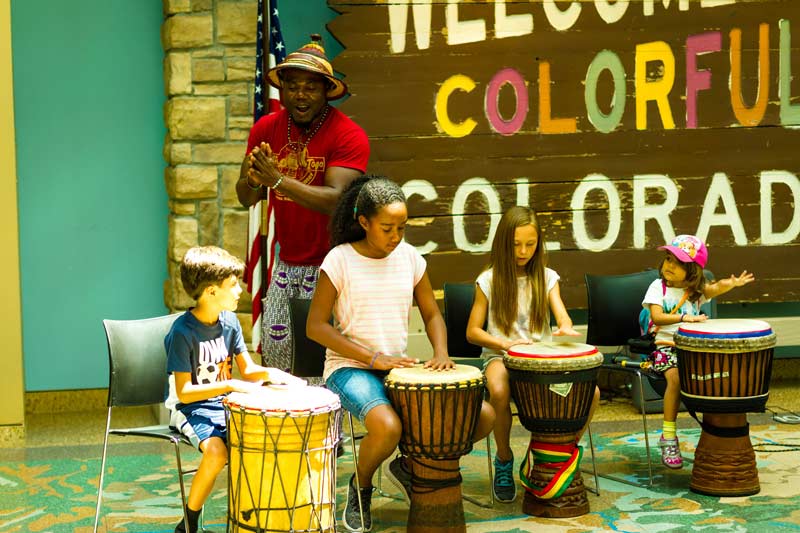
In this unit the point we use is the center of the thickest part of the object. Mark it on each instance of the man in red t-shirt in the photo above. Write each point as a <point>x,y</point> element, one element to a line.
<point>302,157</point>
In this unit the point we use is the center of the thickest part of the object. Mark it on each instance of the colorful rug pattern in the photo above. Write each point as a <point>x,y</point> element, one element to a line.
<point>54,490</point>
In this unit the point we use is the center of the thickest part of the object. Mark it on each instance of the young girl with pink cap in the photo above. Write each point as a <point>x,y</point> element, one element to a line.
<point>675,298</point>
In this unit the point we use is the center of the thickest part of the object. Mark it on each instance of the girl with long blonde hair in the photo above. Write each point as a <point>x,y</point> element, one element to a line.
<point>514,299</point>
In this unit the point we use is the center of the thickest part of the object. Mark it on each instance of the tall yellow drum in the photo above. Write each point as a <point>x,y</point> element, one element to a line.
<point>282,469</point>
<point>725,367</point>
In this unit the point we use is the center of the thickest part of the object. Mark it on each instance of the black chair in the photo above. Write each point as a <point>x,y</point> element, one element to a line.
<point>458,298</point>
<point>308,357</point>
<point>137,362</point>
<point>615,302</point>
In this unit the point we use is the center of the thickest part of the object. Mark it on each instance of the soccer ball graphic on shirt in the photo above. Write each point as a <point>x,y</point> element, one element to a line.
<point>207,373</point>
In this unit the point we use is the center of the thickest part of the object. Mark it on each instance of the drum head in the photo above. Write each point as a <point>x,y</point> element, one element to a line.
<point>726,328</point>
<point>300,400</point>
<point>550,356</point>
<point>551,349</point>
<point>735,334</point>
<point>419,375</point>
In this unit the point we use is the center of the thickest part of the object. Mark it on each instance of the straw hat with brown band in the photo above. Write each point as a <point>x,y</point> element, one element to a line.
<point>310,58</point>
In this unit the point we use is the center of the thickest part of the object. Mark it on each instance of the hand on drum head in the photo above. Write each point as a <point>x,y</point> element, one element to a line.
<point>388,362</point>
<point>279,377</point>
<point>240,385</point>
<point>694,318</point>
<point>517,342</point>
<point>566,331</point>
<point>440,363</point>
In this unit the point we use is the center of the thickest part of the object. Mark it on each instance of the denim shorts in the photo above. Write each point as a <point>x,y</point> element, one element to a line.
<point>359,389</point>
<point>201,420</point>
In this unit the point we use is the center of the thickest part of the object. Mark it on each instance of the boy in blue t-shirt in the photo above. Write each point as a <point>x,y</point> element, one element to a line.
<point>201,346</point>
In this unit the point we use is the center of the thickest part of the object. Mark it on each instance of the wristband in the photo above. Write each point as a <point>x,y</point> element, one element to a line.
<point>683,316</point>
<point>277,182</point>
<point>371,363</point>
<point>247,180</point>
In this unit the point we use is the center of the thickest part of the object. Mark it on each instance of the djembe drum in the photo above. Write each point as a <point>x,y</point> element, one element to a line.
<point>439,411</point>
<point>553,386</point>
<point>282,467</point>
<point>725,367</point>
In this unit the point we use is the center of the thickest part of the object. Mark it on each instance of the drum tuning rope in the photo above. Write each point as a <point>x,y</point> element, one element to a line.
<point>776,447</point>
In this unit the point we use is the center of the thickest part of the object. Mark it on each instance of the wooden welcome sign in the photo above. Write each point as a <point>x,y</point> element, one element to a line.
<point>622,122</point>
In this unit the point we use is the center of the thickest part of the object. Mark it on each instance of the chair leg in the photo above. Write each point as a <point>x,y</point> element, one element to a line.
<point>644,426</point>
<point>177,444</point>
<point>490,468</point>
<point>379,487</point>
<point>594,463</point>
<point>650,477</point>
<point>102,472</point>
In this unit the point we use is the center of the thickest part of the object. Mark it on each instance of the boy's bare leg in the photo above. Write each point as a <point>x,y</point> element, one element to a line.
<point>215,456</point>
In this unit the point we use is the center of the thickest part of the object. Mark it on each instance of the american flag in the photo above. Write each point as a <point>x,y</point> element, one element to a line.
<point>262,248</point>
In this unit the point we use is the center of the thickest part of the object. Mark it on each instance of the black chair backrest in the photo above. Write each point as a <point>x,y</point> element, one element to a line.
<point>308,357</point>
<point>615,302</point>
<point>137,360</point>
<point>458,298</point>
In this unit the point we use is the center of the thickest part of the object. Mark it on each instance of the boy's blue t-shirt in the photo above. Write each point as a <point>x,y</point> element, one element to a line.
<point>206,352</point>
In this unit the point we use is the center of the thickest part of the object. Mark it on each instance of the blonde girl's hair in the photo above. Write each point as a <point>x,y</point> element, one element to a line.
<point>504,297</point>
<point>695,278</point>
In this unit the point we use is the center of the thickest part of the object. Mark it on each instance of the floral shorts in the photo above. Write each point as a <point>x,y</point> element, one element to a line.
<point>663,359</point>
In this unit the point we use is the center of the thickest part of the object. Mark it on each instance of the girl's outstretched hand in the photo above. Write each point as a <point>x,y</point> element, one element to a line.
<point>742,279</point>
<point>568,331</point>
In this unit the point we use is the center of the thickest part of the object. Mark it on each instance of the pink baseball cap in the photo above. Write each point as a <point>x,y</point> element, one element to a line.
<point>688,249</point>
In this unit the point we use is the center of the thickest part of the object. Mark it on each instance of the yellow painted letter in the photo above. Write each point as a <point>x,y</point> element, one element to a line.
<point>547,124</point>
<point>656,86</point>
<point>453,83</point>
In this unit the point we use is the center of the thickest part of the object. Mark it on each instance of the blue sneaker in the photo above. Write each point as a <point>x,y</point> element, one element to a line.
<point>505,488</point>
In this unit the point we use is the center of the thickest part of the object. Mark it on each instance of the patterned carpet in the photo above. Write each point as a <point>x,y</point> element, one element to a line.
<point>53,489</point>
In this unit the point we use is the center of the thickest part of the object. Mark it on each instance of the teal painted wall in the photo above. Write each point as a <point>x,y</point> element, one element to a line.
<point>88,105</point>
<point>301,18</point>
<point>89,93</point>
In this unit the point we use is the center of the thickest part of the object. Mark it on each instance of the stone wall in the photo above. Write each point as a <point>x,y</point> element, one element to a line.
<point>209,54</point>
